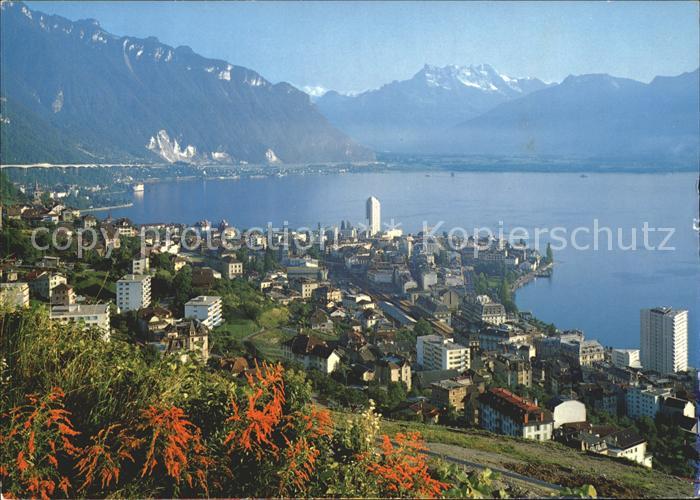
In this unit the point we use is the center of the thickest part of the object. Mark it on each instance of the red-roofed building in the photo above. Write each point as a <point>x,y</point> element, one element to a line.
<point>503,412</point>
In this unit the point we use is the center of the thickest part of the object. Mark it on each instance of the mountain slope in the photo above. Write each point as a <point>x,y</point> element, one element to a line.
<point>593,116</point>
<point>412,115</point>
<point>72,92</point>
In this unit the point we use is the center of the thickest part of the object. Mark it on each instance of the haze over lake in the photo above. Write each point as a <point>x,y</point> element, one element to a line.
<point>600,292</point>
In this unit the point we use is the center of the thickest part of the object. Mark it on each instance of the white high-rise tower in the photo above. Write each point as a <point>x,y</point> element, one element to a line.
<point>664,339</point>
<point>374,217</point>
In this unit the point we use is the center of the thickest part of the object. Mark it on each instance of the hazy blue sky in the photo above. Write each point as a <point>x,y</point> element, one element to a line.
<point>355,46</point>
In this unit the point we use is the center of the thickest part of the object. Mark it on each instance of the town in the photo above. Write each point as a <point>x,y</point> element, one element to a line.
<point>429,333</point>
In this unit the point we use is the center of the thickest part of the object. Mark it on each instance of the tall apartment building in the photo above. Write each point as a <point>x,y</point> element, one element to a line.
<point>664,339</point>
<point>205,308</point>
<point>435,352</point>
<point>503,412</point>
<point>374,216</point>
<point>133,292</point>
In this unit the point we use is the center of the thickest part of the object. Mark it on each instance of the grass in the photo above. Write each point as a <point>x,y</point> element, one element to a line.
<point>269,342</point>
<point>551,462</point>
<point>90,283</point>
<point>237,328</point>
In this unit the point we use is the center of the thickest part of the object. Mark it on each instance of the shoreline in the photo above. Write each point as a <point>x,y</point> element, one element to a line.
<point>104,209</point>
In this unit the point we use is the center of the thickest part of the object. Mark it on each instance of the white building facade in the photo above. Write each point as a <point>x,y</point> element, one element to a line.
<point>374,216</point>
<point>645,402</point>
<point>626,358</point>
<point>435,352</point>
<point>96,315</point>
<point>664,339</point>
<point>133,292</point>
<point>205,308</point>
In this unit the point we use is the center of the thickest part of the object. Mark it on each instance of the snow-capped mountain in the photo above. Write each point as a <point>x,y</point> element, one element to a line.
<point>481,77</point>
<point>594,116</point>
<point>72,92</point>
<point>413,114</point>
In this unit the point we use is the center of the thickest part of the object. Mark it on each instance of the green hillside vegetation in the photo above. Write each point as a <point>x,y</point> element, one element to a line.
<point>85,418</point>
<point>548,461</point>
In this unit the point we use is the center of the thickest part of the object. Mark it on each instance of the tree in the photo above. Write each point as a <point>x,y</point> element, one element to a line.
<point>505,296</point>
<point>182,285</point>
<point>549,258</point>
<point>423,327</point>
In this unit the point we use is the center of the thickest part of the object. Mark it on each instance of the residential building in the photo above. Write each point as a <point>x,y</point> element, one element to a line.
<point>605,440</point>
<point>664,339</point>
<point>435,352</point>
<point>482,308</point>
<point>14,295</point>
<point>319,320</point>
<point>450,393</point>
<point>312,353</point>
<point>305,287</point>
<point>675,407</point>
<point>231,267</point>
<point>626,358</point>
<point>155,319</point>
<point>583,352</point>
<point>393,369</point>
<point>43,283</point>
<point>630,445</point>
<point>140,265</point>
<point>133,292</point>
<point>63,295</point>
<point>186,336</point>
<point>513,370</point>
<point>374,216</point>
<point>90,314</point>
<point>503,412</point>
<point>645,402</point>
<point>566,411</point>
<point>327,294</point>
<point>205,308</point>
<point>434,309</point>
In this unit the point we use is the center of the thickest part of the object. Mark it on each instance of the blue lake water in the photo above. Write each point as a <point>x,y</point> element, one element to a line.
<point>600,292</point>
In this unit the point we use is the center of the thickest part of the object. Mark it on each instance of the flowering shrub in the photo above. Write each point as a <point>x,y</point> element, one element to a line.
<point>36,447</point>
<point>105,435</point>
<point>104,456</point>
<point>402,469</point>
<point>286,442</point>
<point>174,446</point>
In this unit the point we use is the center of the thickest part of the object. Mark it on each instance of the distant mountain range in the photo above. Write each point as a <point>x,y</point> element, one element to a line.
<point>594,116</point>
<point>414,115</point>
<point>73,93</point>
<point>477,111</point>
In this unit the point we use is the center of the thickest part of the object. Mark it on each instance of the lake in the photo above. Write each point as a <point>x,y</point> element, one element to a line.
<point>600,292</point>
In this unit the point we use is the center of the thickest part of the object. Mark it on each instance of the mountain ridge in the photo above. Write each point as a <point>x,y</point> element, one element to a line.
<point>407,114</point>
<point>594,115</point>
<point>62,78</point>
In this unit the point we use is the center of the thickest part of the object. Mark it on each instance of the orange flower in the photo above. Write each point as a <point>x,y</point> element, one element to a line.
<point>103,457</point>
<point>30,454</point>
<point>175,444</point>
<point>402,469</point>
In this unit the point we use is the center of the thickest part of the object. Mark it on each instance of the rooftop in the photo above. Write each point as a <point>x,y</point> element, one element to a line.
<point>203,300</point>
<point>135,277</point>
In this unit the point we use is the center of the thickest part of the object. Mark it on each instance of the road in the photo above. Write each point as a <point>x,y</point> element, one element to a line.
<point>444,452</point>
